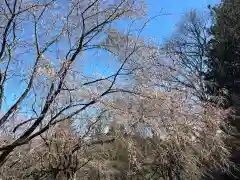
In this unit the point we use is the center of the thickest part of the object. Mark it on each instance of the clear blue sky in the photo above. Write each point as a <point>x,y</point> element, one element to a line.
<point>163,26</point>
<point>160,29</point>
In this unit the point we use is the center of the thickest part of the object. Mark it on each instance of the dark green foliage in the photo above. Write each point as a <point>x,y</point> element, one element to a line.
<point>224,53</point>
<point>223,76</point>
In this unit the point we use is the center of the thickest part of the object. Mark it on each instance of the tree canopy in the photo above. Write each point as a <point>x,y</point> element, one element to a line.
<point>161,112</point>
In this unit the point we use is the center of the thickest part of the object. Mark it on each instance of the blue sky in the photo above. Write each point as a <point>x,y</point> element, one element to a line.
<point>160,29</point>
<point>163,26</point>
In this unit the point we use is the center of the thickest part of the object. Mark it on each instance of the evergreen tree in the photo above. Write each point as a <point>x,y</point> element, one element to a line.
<point>223,76</point>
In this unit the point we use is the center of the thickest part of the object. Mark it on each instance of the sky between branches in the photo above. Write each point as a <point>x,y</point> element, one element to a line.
<point>160,28</point>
